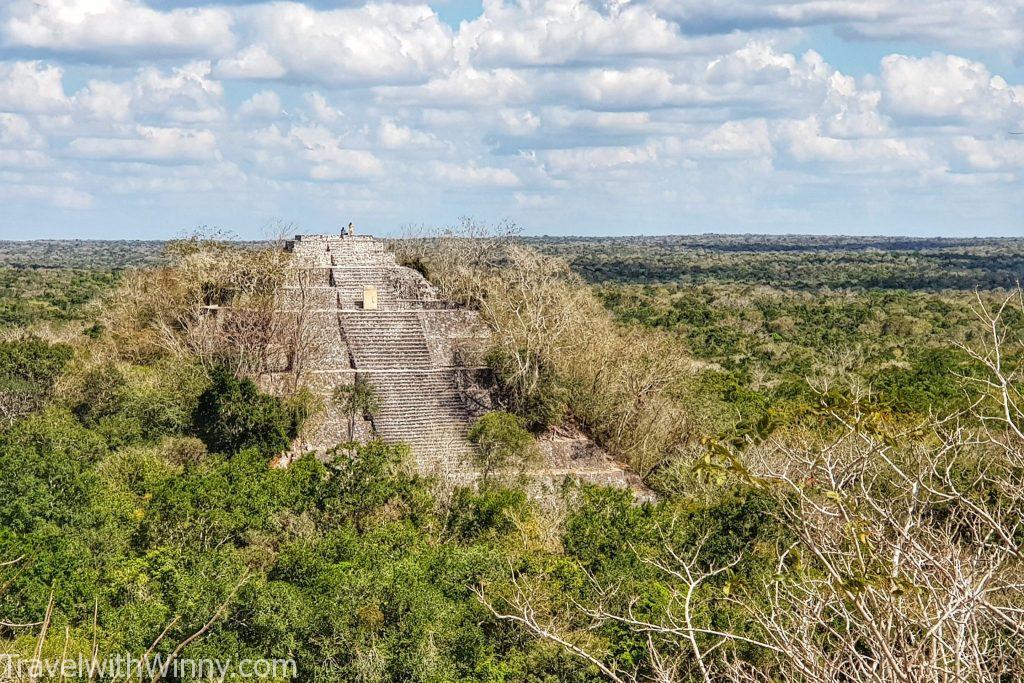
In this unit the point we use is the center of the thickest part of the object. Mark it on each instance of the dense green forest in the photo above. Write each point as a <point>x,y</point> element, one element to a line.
<point>795,261</point>
<point>833,428</point>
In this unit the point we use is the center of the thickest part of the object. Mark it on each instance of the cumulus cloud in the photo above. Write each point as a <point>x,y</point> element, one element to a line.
<point>24,159</point>
<point>105,101</point>
<point>266,104</point>
<point>251,62</point>
<point>114,27</point>
<point>322,109</point>
<point>465,87</point>
<point>947,87</point>
<point>313,152</point>
<point>807,143</point>
<point>552,32</point>
<point>997,154</point>
<point>954,23</point>
<point>396,136</point>
<point>31,87</point>
<point>372,44</point>
<point>150,144</point>
<point>185,94</point>
<point>471,175</point>
<point>16,132</point>
<point>585,160</point>
<point>732,140</point>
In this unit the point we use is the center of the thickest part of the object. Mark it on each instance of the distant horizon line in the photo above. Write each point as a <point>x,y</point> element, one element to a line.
<point>610,236</point>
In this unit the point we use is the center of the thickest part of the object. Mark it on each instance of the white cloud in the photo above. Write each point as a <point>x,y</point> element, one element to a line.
<point>114,26</point>
<point>16,132</point>
<point>24,159</point>
<point>396,136</point>
<point>31,87</point>
<point>322,109</point>
<point>948,87</point>
<point>518,121</point>
<point>220,177</point>
<point>465,87</point>
<point>637,88</point>
<point>984,24</point>
<point>150,144</point>
<point>957,23</point>
<point>313,152</point>
<point>471,175</point>
<point>807,144</point>
<point>372,44</point>
<point>252,62</point>
<point>266,104</point>
<point>849,112</point>
<point>732,140</point>
<point>585,160</point>
<point>106,101</point>
<point>991,155</point>
<point>553,32</point>
<point>184,95</point>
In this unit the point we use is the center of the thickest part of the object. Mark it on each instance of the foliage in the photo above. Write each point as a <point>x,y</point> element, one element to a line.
<point>501,442</point>
<point>357,399</point>
<point>29,368</point>
<point>555,351</point>
<point>136,403</point>
<point>32,295</point>
<point>846,534</point>
<point>803,262</point>
<point>232,415</point>
<point>536,395</point>
<point>213,301</point>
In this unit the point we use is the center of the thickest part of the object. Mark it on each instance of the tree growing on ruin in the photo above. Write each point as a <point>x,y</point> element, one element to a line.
<point>501,442</point>
<point>357,399</point>
<point>215,300</point>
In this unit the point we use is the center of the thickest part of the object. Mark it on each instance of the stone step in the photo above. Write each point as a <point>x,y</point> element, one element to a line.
<point>424,410</point>
<point>386,339</point>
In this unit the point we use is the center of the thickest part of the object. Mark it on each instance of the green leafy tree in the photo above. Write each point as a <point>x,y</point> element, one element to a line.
<point>501,441</point>
<point>527,384</point>
<point>28,369</point>
<point>232,415</point>
<point>358,398</point>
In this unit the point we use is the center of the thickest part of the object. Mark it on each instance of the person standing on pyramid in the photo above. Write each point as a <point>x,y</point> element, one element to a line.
<point>351,230</point>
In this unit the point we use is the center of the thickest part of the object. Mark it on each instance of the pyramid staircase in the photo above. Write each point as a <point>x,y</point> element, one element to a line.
<point>386,340</point>
<point>424,409</point>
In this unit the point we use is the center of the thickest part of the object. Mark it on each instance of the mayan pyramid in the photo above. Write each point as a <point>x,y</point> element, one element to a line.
<point>361,314</point>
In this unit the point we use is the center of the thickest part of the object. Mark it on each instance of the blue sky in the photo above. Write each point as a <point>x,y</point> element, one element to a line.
<point>128,119</point>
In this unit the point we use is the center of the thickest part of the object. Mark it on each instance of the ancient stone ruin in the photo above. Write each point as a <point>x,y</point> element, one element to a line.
<point>349,312</point>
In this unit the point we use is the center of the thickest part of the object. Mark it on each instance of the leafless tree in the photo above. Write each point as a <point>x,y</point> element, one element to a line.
<point>543,318</point>
<point>905,563</point>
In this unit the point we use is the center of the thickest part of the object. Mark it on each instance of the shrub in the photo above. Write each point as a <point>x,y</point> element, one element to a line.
<point>232,415</point>
<point>138,403</point>
<point>535,395</point>
<point>357,399</point>
<point>501,441</point>
<point>29,368</point>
